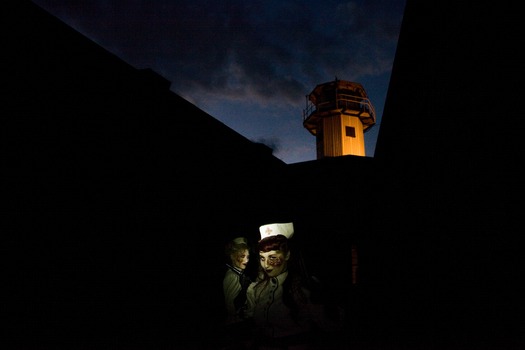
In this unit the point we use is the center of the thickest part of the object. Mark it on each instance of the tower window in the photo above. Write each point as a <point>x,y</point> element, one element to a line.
<point>350,131</point>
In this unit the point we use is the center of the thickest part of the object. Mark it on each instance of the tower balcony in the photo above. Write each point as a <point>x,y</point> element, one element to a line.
<point>342,103</point>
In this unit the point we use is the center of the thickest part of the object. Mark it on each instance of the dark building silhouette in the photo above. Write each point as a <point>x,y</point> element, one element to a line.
<point>450,178</point>
<point>117,195</point>
<point>435,214</point>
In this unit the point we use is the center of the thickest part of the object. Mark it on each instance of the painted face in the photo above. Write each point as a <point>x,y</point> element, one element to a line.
<point>241,259</point>
<point>273,262</point>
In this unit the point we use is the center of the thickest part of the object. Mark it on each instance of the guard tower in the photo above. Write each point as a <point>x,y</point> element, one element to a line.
<point>338,113</point>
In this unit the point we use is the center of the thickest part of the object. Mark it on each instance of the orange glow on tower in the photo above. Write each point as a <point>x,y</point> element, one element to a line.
<point>338,113</point>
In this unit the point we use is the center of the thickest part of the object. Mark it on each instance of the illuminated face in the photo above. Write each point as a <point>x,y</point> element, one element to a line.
<point>273,262</point>
<point>240,260</point>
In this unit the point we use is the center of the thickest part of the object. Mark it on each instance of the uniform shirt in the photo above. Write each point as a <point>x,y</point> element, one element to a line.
<point>232,286</point>
<point>271,316</point>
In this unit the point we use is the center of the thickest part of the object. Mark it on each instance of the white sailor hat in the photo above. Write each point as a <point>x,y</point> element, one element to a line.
<point>240,240</point>
<point>285,229</point>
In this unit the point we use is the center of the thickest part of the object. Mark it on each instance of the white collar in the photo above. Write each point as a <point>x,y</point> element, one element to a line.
<point>235,269</point>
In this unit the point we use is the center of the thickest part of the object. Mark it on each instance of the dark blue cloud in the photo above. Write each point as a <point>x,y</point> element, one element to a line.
<point>267,48</point>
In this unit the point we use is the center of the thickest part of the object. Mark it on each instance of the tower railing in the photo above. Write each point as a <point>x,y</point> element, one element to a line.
<point>343,102</point>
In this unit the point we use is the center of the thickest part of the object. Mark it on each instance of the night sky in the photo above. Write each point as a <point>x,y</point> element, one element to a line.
<point>250,64</point>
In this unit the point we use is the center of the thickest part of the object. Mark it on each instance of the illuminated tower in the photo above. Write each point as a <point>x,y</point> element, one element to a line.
<point>338,113</point>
